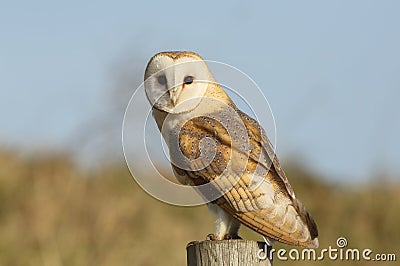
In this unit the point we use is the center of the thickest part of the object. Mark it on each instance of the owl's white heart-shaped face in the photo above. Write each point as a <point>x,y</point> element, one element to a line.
<point>175,82</point>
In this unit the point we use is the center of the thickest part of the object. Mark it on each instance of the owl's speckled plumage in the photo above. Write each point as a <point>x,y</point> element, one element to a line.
<point>270,208</point>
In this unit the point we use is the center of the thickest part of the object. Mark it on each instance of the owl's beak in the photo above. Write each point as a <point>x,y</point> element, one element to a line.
<point>174,95</point>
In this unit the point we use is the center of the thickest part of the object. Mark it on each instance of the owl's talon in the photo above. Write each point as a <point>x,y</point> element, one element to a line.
<point>229,237</point>
<point>211,237</point>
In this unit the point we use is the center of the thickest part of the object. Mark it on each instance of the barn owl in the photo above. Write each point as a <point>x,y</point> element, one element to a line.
<point>212,142</point>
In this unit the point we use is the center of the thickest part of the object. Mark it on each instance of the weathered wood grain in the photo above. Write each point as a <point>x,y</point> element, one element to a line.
<point>227,253</point>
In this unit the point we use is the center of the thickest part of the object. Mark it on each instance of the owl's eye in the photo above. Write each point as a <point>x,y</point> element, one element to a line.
<point>162,79</point>
<point>188,80</point>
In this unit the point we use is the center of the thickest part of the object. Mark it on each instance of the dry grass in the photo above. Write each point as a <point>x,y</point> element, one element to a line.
<point>53,213</point>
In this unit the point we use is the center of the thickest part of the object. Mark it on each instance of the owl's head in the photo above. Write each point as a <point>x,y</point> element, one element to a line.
<point>176,81</point>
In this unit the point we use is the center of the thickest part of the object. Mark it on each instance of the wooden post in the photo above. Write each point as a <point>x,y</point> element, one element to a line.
<point>228,253</point>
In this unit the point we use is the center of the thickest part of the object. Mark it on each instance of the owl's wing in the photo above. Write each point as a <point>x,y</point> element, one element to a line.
<point>262,197</point>
<point>280,215</point>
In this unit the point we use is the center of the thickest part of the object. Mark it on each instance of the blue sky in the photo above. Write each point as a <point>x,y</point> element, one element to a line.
<point>330,70</point>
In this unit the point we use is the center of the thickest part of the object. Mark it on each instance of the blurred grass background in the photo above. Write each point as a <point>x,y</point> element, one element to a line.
<point>54,212</point>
